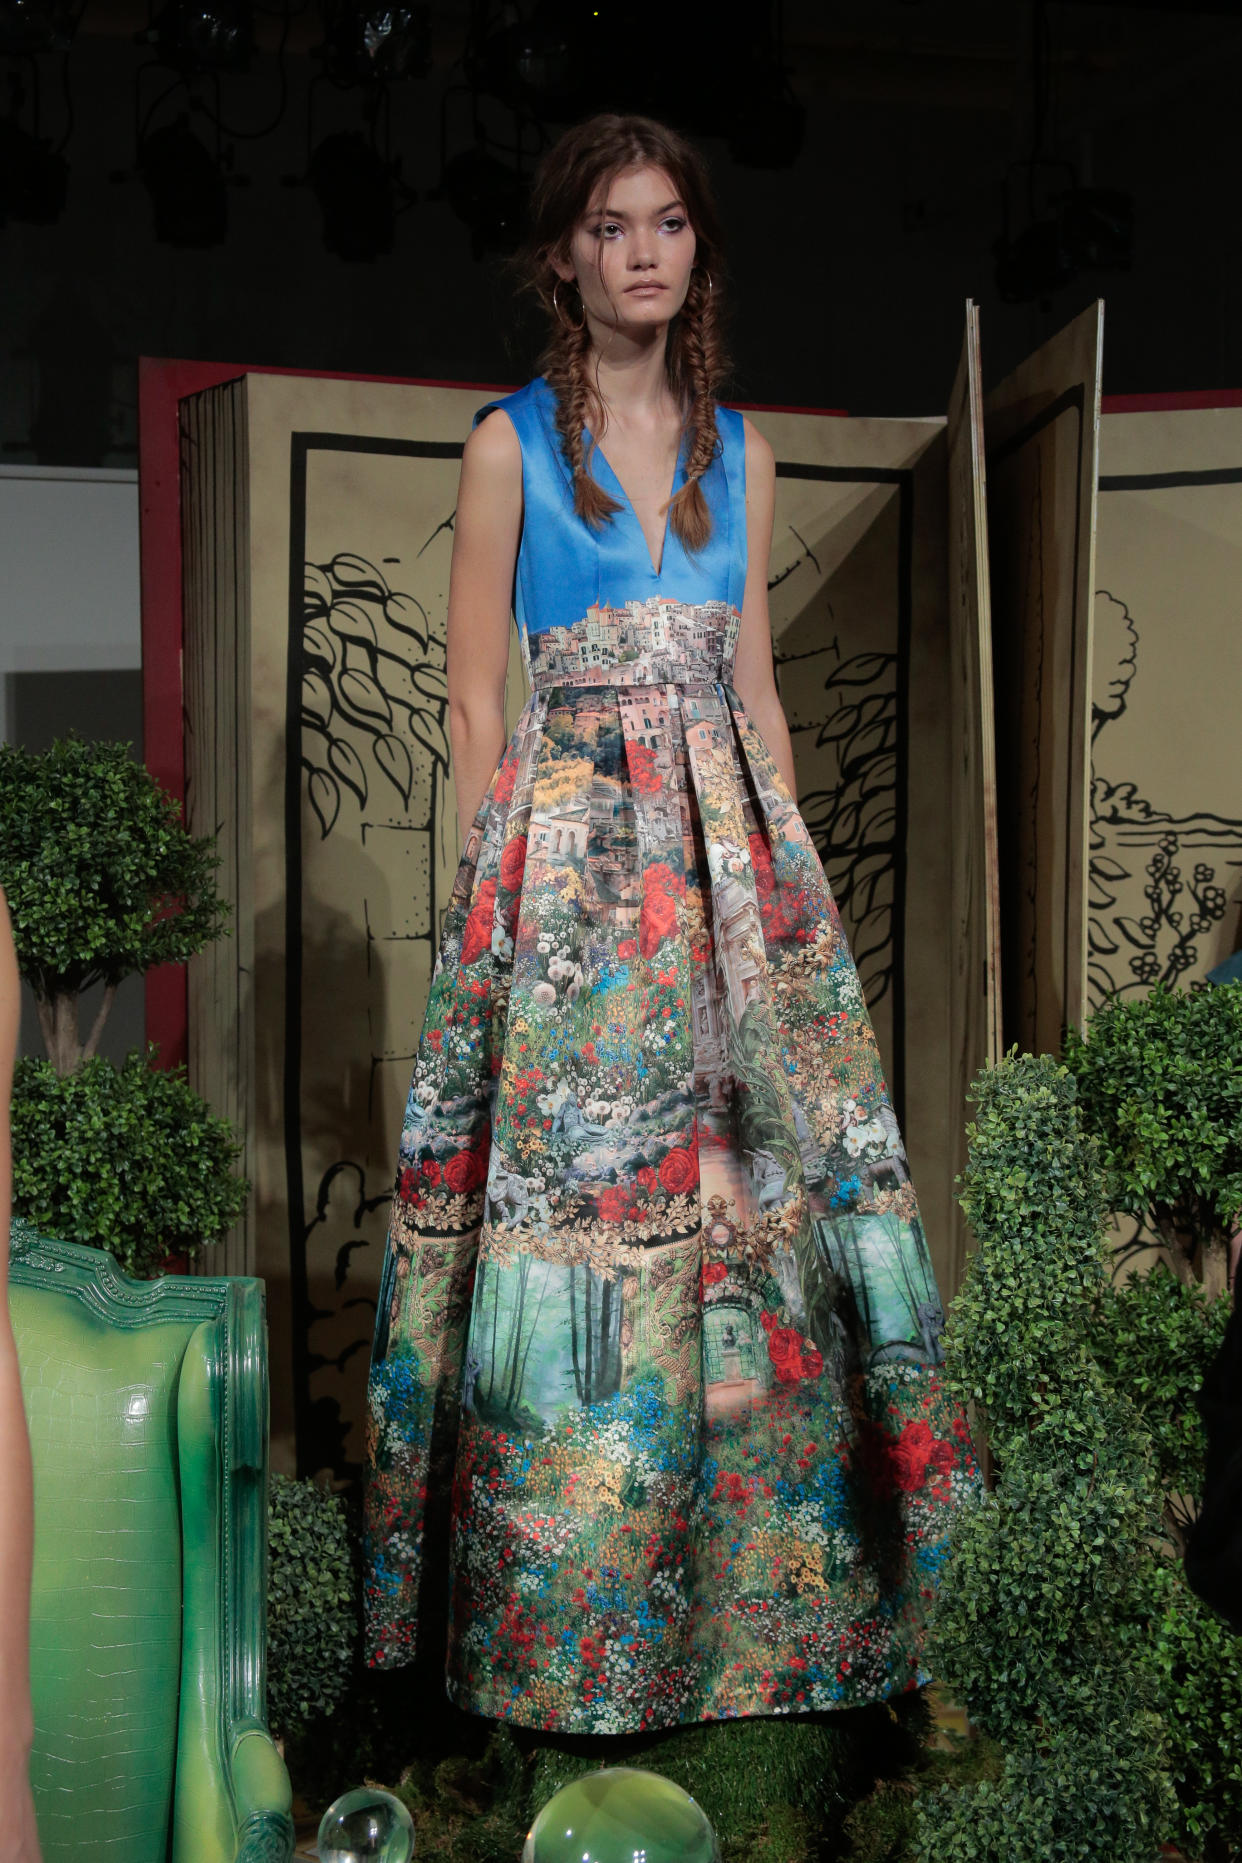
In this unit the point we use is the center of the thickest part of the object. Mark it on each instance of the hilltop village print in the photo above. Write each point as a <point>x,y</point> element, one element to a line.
<point>657,640</point>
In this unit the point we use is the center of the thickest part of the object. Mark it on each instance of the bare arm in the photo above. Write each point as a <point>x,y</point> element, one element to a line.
<point>19,1842</point>
<point>753,674</point>
<point>485,546</point>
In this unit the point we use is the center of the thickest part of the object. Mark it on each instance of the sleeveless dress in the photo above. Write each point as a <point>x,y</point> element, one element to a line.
<point>655,1356</point>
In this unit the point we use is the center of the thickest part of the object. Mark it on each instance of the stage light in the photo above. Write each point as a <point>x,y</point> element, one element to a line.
<point>354,188</point>
<point>488,196</point>
<point>1086,228</point>
<point>377,43</point>
<point>34,177</point>
<point>186,187</point>
<point>1097,225</point>
<point>35,26</point>
<point>539,63</point>
<point>204,35</point>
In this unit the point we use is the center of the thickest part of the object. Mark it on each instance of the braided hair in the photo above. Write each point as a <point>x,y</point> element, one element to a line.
<point>695,359</point>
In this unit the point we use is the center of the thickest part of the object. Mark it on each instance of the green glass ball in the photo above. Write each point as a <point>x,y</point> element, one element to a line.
<point>621,1815</point>
<point>366,1826</point>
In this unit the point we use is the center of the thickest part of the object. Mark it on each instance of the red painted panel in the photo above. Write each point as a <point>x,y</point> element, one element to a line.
<point>1171,403</point>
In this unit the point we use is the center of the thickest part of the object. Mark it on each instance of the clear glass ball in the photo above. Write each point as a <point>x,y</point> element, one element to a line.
<point>621,1815</point>
<point>366,1826</point>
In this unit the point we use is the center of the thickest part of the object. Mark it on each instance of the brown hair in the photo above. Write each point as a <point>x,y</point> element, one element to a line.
<point>565,185</point>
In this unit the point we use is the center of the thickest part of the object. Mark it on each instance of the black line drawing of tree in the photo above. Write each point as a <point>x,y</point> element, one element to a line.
<point>373,681</point>
<point>853,824</point>
<point>1116,641</point>
<point>373,693</point>
<point>1158,946</point>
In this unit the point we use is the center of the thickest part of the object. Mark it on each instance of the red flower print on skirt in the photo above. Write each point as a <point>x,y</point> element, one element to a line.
<point>476,937</point>
<point>679,1171</point>
<point>513,863</point>
<point>793,1357</point>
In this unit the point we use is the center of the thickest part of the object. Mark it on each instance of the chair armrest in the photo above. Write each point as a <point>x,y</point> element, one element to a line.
<point>262,1795</point>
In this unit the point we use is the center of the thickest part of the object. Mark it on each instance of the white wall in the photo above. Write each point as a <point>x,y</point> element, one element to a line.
<point>68,570</point>
<point>69,609</point>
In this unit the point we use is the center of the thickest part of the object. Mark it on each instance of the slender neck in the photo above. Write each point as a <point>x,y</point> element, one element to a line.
<point>632,378</point>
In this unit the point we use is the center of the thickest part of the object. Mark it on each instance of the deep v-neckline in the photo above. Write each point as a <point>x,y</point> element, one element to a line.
<point>657,569</point>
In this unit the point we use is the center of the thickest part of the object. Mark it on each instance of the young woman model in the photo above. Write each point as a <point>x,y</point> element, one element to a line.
<point>19,1842</point>
<point>655,1354</point>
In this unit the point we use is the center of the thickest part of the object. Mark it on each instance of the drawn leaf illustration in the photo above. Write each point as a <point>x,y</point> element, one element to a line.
<point>1108,868</point>
<point>862,670</point>
<point>361,695</point>
<point>393,758</point>
<point>348,766</point>
<point>316,700</point>
<point>429,731</point>
<point>430,682</point>
<point>1099,940</point>
<point>1133,933</point>
<point>317,590</point>
<point>325,799</point>
<point>355,572</point>
<point>407,616</point>
<point>318,644</point>
<point>353,622</point>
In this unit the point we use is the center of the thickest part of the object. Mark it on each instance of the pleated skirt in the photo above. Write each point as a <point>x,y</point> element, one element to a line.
<point>655,1410</point>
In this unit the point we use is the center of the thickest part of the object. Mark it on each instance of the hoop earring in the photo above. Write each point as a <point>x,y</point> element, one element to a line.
<point>559,314</point>
<point>708,277</point>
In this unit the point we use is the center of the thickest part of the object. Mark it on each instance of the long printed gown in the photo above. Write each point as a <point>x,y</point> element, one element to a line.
<point>657,1333</point>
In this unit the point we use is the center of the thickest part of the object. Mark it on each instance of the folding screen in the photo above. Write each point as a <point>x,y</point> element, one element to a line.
<point>317,520</point>
<point>1166,793</point>
<point>1042,428</point>
<point>975,951</point>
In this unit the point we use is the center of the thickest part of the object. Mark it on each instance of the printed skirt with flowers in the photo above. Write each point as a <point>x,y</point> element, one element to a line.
<point>655,1361</point>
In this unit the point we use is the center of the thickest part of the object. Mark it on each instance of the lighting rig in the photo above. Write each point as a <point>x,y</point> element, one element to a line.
<point>34,170</point>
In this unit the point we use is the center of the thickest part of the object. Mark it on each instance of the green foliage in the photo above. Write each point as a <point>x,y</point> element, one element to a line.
<point>1031,1626</point>
<point>1085,1789</point>
<point>1160,1084</point>
<point>101,877</point>
<point>813,1767</point>
<point>1200,1686</point>
<point>312,1605</point>
<point>1054,1557</point>
<point>1154,1337</point>
<point>777,1790</point>
<point>469,1808</point>
<point>126,1159</point>
<point>1034,1197</point>
<point>881,1828</point>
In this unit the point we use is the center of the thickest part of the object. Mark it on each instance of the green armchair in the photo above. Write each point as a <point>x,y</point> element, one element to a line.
<point>147,1405</point>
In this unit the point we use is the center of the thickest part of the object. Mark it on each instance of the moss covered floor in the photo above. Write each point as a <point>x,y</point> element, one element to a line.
<point>832,1788</point>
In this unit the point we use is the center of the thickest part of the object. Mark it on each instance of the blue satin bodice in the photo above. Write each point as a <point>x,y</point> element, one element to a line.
<point>590,607</point>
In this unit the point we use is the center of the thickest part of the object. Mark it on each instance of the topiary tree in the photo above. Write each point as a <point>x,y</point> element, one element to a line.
<point>103,881</point>
<point>1160,1086</point>
<point>1032,1626</point>
<point>312,1606</point>
<point>124,1158</point>
<point>1154,1337</point>
<point>101,877</point>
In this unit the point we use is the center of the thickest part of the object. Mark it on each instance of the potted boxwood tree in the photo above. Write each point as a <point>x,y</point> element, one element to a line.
<point>1160,1088</point>
<point>103,881</point>
<point>1033,1626</point>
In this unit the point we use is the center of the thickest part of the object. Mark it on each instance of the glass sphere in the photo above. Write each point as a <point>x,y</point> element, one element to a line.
<point>366,1826</point>
<point>621,1815</point>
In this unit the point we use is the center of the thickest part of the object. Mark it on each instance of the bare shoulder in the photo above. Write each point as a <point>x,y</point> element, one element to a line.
<point>493,449</point>
<point>760,458</point>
